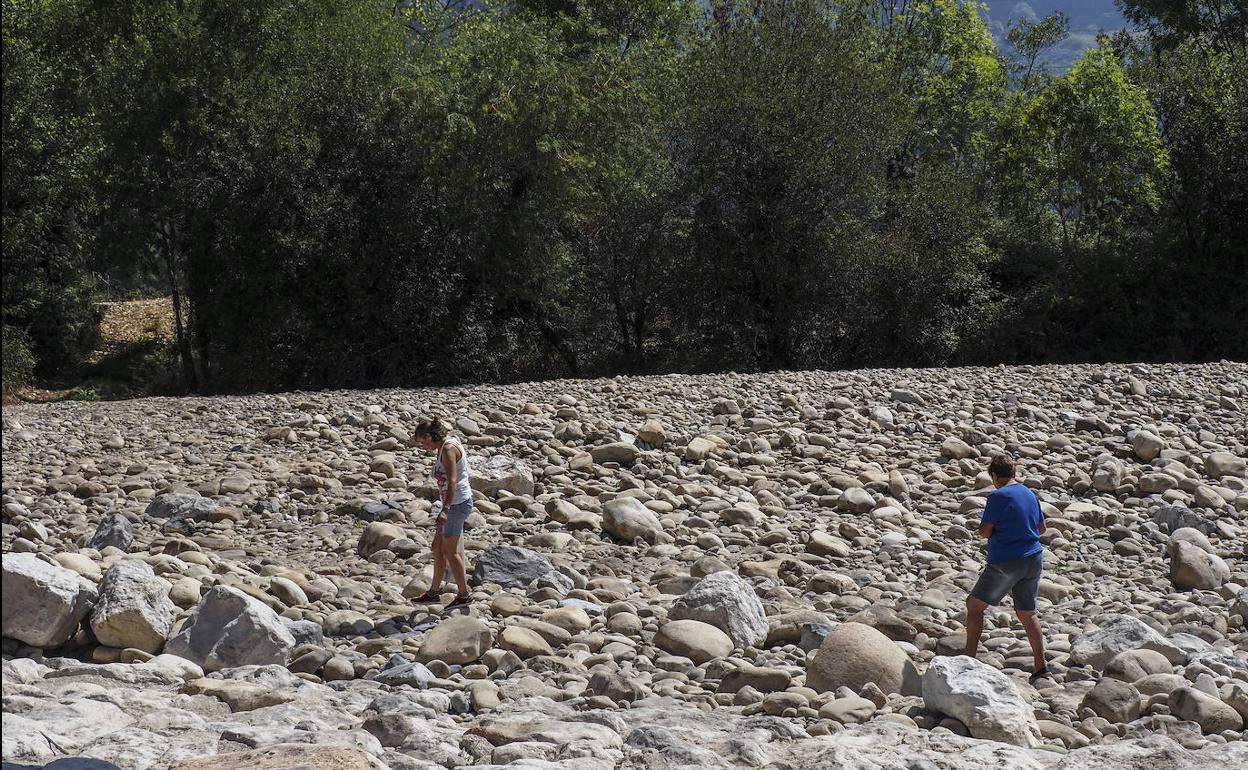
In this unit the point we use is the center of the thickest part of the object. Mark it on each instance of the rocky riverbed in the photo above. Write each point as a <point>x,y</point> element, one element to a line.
<point>669,572</point>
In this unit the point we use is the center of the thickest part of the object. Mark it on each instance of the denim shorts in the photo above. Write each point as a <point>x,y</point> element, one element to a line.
<point>456,515</point>
<point>1020,578</point>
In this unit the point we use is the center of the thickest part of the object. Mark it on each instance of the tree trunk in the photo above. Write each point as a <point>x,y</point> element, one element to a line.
<point>183,339</point>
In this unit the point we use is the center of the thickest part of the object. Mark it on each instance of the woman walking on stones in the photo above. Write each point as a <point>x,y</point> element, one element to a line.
<point>450,471</point>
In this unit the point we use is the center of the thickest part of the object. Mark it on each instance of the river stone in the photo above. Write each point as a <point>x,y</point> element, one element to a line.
<point>853,655</point>
<point>456,640</point>
<point>727,602</point>
<point>229,628</point>
<point>621,452</point>
<point>134,609</point>
<point>410,673</point>
<point>627,519</point>
<point>1146,445</point>
<point>1193,567</point>
<point>378,535</point>
<point>114,530</point>
<point>1116,701</point>
<point>982,698</point>
<point>1209,712</point>
<point>1133,665</point>
<point>693,639</point>
<point>1219,464</point>
<point>493,475</point>
<point>43,603</point>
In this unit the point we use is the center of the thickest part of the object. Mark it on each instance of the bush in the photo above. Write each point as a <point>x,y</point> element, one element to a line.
<point>86,393</point>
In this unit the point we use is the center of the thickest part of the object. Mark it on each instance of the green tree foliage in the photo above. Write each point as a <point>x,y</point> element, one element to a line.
<point>365,193</point>
<point>1030,39</point>
<point>49,146</point>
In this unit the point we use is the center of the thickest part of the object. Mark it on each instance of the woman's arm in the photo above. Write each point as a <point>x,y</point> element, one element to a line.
<point>450,466</point>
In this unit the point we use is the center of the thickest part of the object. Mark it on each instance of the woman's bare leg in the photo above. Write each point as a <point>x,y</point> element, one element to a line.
<point>450,552</point>
<point>439,564</point>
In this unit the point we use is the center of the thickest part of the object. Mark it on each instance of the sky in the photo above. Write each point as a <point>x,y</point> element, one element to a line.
<point>1086,18</point>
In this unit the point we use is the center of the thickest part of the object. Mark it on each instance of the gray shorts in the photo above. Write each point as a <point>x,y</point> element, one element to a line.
<point>1020,578</point>
<point>456,515</point>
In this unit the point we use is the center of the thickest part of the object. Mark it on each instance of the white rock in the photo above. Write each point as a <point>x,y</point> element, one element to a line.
<point>982,698</point>
<point>134,609</point>
<point>43,603</point>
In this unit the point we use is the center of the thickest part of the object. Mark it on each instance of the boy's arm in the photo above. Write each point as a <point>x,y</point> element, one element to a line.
<point>990,516</point>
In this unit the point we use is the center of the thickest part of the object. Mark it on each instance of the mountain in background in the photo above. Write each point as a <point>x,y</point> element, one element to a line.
<point>1087,18</point>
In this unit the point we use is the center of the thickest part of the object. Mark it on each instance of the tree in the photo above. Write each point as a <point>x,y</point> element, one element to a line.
<point>49,150</point>
<point>1086,148</point>
<point>1030,39</point>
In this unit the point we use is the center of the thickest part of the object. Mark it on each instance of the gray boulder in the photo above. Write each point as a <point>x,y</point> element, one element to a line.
<point>172,505</point>
<point>727,602</point>
<point>1117,634</point>
<point>114,530</point>
<point>514,567</point>
<point>230,629</point>
<point>1175,517</point>
<point>43,603</point>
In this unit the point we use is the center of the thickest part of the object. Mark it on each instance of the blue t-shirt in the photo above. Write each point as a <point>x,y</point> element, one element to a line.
<point>1015,516</point>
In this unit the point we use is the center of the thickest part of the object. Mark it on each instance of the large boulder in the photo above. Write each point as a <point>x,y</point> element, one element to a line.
<point>492,475</point>
<point>114,530</point>
<point>727,602</point>
<point>853,654</point>
<point>694,640</point>
<point>1219,464</point>
<point>43,603</point>
<point>982,698</point>
<point>456,640</point>
<point>627,519</point>
<point>1176,517</point>
<point>1117,634</point>
<point>172,505</point>
<point>134,609</point>
<point>1210,713</point>
<point>514,567</point>
<point>1191,567</point>
<point>228,629</point>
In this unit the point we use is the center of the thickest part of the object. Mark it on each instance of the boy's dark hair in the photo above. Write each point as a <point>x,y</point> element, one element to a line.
<point>1002,466</point>
<point>432,427</point>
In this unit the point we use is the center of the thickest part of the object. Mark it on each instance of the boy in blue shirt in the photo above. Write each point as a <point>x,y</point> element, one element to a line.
<point>1013,522</point>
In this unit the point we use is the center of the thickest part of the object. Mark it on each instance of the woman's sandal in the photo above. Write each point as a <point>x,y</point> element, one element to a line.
<point>1040,673</point>
<point>428,597</point>
<point>460,600</point>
